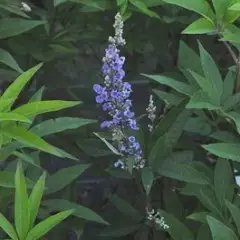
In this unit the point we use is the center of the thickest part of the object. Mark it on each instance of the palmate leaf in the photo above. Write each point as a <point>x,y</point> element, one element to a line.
<point>63,177</point>
<point>212,74</point>
<point>12,92</point>
<point>14,26</point>
<point>176,227</point>
<point>183,172</point>
<point>235,212</point>
<point>35,199</point>
<point>219,230</point>
<point>46,225</point>
<point>7,180</point>
<point>221,7</point>
<point>33,109</point>
<point>202,100</point>
<point>7,59</point>
<point>200,6</point>
<point>166,143</point>
<point>147,179</point>
<point>53,126</point>
<point>125,208</point>
<point>120,230</point>
<point>80,211</point>
<point>224,150</point>
<point>8,228</point>
<point>192,62</point>
<point>28,138</point>
<point>200,26</point>
<point>228,86</point>
<point>223,181</point>
<point>10,116</point>
<point>177,85</point>
<point>21,210</point>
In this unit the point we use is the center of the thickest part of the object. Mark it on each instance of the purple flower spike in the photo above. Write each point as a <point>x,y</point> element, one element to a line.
<point>114,98</point>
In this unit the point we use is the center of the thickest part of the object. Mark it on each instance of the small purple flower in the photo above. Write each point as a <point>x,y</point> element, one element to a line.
<point>114,93</point>
<point>105,124</point>
<point>97,88</point>
<point>132,139</point>
<point>119,164</point>
<point>100,99</point>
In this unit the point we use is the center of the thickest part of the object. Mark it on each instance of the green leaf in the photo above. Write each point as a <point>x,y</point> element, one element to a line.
<point>231,15</point>
<point>7,179</point>
<point>35,199</point>
<point>177,85</point>
<point>109,145</point>
<point>28,138</point>
<point>147,179</point>
<point>166,143</point>
<point>27,158</point>
<point>168,97</point>
<point>91,5</point>
<point>231,102</point>
<point>223,181</point>
<point>200,26</point>
<point>21,210</point>
<point>231,37</point>
<point>35,108</point>
<point>204,233</point>
<point>228,86</point>
<point>192,62</point>
<point>125,208</point>
<point>53,126</point>
<point>8,228</point>
<point>120,230</point>
<point>10,116</point>
<point>165,124</point>
<point>201,100</point>
<point>207,196</point>
<point>63,177</point>
<point>143,8</point>
<point>176,227</point>
<point>199,6</point>
<point>7,59</point>
<point>58,2</point>
<point>213,75</point>
<point>16,87</point>
<point>235,212</point>
<point>224,136</point>
<point>224,150</point>
<point>199,216</point>
<point>198,125</point>
<point>202,82</point>
<point>219,230</point>
<point>221,7</point>
<point>235,7</point>
<point>183,172</point>
<point>46,225</point>
<point>10,27</point>
<point>80,211</point>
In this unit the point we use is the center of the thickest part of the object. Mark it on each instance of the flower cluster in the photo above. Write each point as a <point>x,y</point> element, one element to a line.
<point>151,110</point>
<point>155,217</point>
<point>114,98</point>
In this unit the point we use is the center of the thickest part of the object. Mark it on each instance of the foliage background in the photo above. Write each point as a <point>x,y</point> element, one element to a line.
<point>71,43</point>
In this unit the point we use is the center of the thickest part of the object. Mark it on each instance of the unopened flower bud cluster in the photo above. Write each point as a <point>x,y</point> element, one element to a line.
<point>155,217</point>
<point>151,110</point>
<point>25,7</point>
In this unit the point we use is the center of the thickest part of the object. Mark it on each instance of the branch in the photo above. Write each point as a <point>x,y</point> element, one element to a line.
<point>234,56</point>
